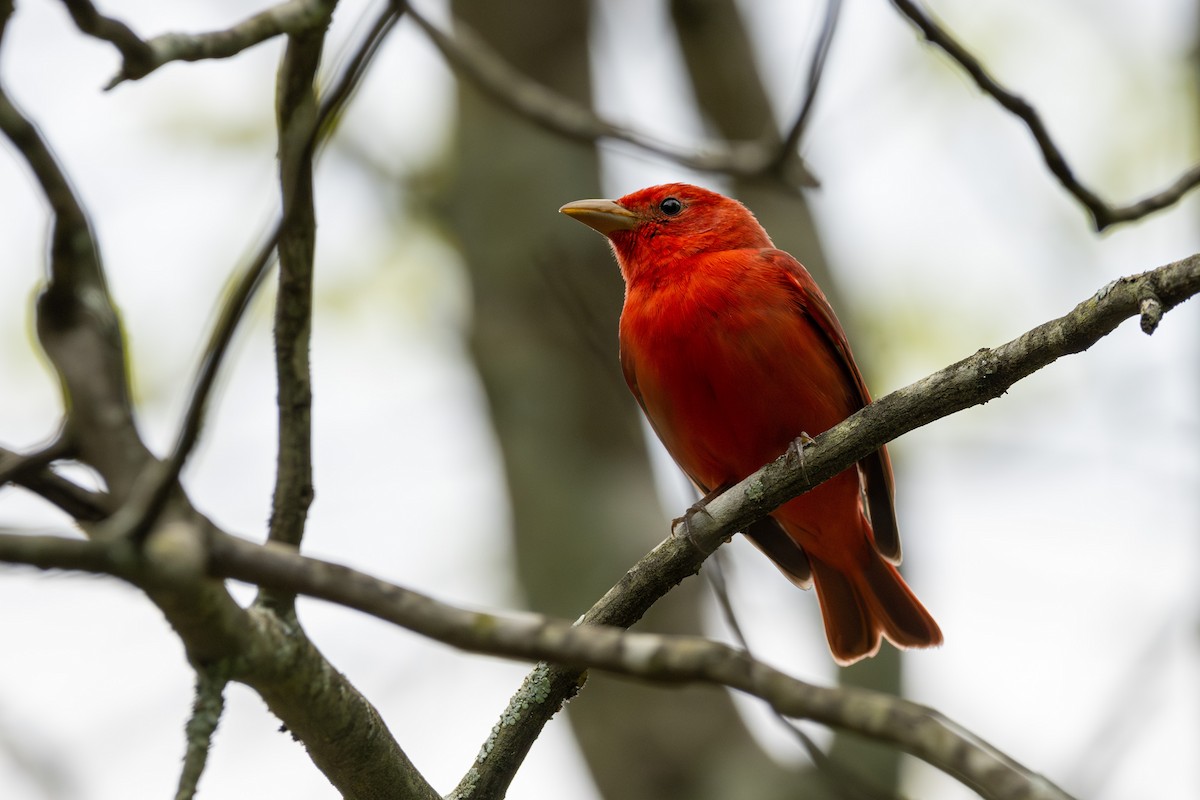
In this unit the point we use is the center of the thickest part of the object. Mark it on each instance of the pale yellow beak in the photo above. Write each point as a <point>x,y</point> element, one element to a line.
<point>604,216</point>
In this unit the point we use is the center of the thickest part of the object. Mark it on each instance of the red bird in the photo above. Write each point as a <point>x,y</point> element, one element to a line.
<point>733,352</point>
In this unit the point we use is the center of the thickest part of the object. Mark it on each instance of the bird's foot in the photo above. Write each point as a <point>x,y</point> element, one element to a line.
<point>682,526</point>
<point>795,451</point>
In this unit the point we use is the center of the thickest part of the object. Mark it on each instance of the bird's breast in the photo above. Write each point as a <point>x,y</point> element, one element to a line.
<point>728,373</point>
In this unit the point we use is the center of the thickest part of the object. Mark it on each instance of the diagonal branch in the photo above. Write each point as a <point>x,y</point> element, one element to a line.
<point>816,69</point>
<point>661,658</point>
<point>915,729</point>
<point>972,381</point>
<point>82,504</point>
<point>983,376</point>
<point>33,472</point>
<point>14,466</point>
<point>1103,213</point>
<point>975,380</point>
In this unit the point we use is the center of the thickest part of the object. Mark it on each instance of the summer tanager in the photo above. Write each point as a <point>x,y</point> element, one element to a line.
<point>733,353</point>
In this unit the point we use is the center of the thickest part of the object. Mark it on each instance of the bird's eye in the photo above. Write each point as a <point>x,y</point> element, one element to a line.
<point>671,206</point>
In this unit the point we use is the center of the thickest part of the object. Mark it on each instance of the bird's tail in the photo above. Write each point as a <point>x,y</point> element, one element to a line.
<point>871,601</point>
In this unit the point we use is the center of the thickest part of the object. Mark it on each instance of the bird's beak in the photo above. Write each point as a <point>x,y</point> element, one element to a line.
<point>604,216</point>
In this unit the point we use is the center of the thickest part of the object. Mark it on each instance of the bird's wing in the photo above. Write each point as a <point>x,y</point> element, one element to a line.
<point>766,534</point>
<point>877,467</point>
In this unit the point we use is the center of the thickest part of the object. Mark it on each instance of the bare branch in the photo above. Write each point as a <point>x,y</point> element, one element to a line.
<point>139,513</point>
<point>82,504</point>
<point>667,659</point>
<point>13,466</point>
<point>291,17</point>
<point>77,321</point>
<point>33,472</point>
<point>1103,213</point>
<point>66,552</point>
<point>250,646</point>
<point>473,58</point>
<point>78,326</point>
<point>974,380</point>
<point>207,707</point>
<point>138,56</point>
<point>816,69</point>
<point>670,659</point>
<point>299,120</point>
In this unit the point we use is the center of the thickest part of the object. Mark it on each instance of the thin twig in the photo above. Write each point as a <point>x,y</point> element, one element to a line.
<point>77,321</point>
<point>660,658</point>
<point>298,127</point>
<point>82,504</point>
<point>297,683</point>
<point>1103,213</point>
<point>663,658</point>
<point>843,782</point>
<point>207,707</point>
<point>138,514</point>
<point>32,471</point>
<point>292,16</point>
<point>977,379</point>
<point>139,58</point>
<point>473,58</point>
<point>816,69</point>
<point>972,381</point>
<point>13,466</point>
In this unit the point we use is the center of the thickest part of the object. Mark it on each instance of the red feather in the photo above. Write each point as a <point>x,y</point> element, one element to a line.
<point>732,351</point>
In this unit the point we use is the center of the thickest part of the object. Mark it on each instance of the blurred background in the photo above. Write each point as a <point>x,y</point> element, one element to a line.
<point>474,439</point>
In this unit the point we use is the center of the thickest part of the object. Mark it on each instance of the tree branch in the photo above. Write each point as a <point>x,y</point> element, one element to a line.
<point>816,69</point>
<point>138,56</point>
<point>82,504</point>
<point>13,465</point>
<point>296,109</point>
<point>665,659</point>
<point>137,514</point>
<point>251,646</point>
<point>33,472</point>
<point>474,59</point>
<point>1103,213</point>
<point>143,57</point>
<point>77,323</point>
<point>974,380</point>
<point>79,328</point>
<point>207,708</point>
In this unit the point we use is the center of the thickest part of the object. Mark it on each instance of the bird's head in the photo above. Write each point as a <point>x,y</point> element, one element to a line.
<point>658,229</point>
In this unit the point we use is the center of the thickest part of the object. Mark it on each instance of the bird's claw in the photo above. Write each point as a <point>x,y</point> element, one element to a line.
<point>795,451</point>
<point>682,526</point>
